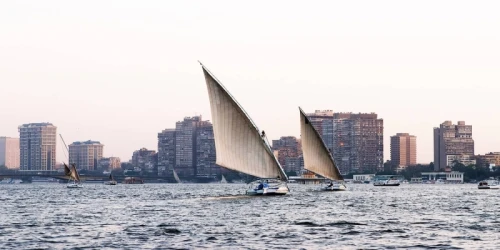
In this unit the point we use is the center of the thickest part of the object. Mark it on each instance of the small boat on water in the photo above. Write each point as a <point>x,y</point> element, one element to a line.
<point>223,180</point>
<point>488,184</point>
<point>391,182</point>
<point>73,176</point>
<point>10,181</point>
<point>72,173</point>
<point>239,144</point>
<point>440,181</point>
<point>317,157</point>
<point>133,180</point>
<point>111,181</point>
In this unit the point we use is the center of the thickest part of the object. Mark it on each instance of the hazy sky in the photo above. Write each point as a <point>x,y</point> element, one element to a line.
<point>121,71</point>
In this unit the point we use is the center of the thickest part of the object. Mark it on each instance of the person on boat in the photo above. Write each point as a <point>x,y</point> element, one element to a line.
<point>266,184</point>
<point>330,184</point>
<point>261,186</point>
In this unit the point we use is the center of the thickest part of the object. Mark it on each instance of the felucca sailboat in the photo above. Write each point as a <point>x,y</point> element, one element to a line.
<point>240,145</point>
<point>111,181</point>
<point>73,176</point>
<point>71,173</point>
<point>317,157</point>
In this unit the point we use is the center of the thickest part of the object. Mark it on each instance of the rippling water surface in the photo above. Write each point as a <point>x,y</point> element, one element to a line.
<point>187,216</point>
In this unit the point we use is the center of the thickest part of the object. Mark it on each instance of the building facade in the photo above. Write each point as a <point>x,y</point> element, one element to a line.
<point>109,163</point>
<point>355,140</point>
<point>488,159</point>
<point>403,150</point>
<point>37,144</point>
<point>205,151</point>
<point>448,177</point>
<point>294,165</point>
<point>288,148</point>
<point>450,139</point>
<point>9,152</point>
<point>145,160</point>
<point>86,154</point>
<point>185,139</point>
<point>464,159</point>
<point>166,152</point>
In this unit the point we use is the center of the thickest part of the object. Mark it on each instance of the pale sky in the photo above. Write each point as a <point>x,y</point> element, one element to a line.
<point>121,71</point>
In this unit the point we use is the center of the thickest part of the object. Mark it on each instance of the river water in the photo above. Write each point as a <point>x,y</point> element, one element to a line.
<point>219,216</point>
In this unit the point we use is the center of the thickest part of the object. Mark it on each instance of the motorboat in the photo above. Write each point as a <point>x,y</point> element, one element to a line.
<point>111,181</point>
<point>391,182</point>
<point>335,186</point>
<point>488,184</point>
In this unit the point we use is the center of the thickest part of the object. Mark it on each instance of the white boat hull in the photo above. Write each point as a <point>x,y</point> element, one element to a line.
<point>74,185</point>
<point>387,183</point>
<point>335,187</point>
<point>489,187</point>
<point>110,183</point>
<point>279,189</point>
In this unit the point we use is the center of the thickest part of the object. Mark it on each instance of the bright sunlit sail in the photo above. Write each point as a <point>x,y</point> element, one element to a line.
<point>239,144</point>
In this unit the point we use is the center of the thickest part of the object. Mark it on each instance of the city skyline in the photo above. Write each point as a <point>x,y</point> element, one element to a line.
<point>416,67</point>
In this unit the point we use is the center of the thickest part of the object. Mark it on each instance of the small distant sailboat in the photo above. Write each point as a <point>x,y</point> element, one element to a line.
<point>239,144</point>
<point>223,180</point>
<point>176,177</point>
<point>71,173</point>
<point>73,176</point>
<point>317,157</point>
<point>111,181</point>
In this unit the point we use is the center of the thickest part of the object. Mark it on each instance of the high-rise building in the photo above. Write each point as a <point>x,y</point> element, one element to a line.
<point>85,154</point>
<point>205,151</point>
<point>37,145</point>
<point>185,139</point>
<point>166,152</point>
<point>145,160</point>
<point>9,152</point>
<point>451,141</point>
<point>109,163</point>
<point>355,140</point>
<point>403,150</point>
<point>189,149</point>
<point>287,147</point>
<point>294,164</point>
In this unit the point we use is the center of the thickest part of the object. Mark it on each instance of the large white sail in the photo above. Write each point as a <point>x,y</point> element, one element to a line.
<point>238,143</point>
<point>317,157</point>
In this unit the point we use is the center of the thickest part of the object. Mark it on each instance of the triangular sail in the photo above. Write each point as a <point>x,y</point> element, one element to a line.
<point>111,177</point>
<point>223,179</point>
<point>67,171</point>
<point>176,177</point>
<point>239,145</point>
<point>317,157</point>
<point>74,173</point>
